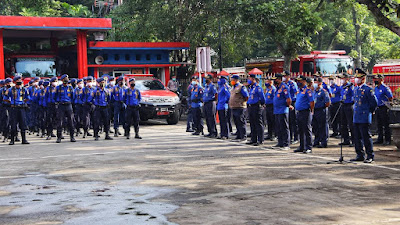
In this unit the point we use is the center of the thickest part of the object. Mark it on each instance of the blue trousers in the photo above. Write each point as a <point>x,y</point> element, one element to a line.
<point>209,114</point>
<point>282,124</point>
<point>362,138</point>
<point>347,122</point>
<point>321,126</point>
<point>197,119</point>
<point>304,123</point>
<point>223,122</point>
<point>119,114</point>
<point>189,125</point>
<point>256,123</point>
<point>293,127</point>
<point>239,118</point>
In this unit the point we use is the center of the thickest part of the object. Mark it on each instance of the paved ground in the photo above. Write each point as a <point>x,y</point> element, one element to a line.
<point>172,177</point>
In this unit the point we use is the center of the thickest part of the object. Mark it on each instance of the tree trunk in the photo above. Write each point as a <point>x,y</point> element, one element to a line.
<point>380,18</point>
<point>320,38</point>
<point>287,60</point>
<point>357,28</point>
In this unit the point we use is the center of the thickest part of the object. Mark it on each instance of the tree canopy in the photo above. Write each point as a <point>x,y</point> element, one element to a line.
<point>367,29</point>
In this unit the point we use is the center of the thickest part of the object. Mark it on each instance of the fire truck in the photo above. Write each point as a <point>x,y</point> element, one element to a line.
<point>391,70</point>
<point>324,62</point>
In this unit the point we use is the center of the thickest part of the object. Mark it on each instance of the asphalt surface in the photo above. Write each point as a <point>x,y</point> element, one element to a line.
<point>173,177</point>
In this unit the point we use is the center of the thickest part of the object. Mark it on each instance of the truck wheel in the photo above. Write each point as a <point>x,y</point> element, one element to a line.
<point>174,118</point>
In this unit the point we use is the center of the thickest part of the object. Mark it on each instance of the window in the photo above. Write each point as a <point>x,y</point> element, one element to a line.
<point>295,68</point>
<point>138,57</point>
<point>127,57</point>
<point>148,57</point>
<point>308,67</point>
<point>158,57</point>
<point>116,57</point>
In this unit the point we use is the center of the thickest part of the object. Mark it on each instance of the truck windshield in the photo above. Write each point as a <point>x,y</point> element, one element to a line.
<point>145,85</point>
<point>332,66</point>
<point>32,68</point>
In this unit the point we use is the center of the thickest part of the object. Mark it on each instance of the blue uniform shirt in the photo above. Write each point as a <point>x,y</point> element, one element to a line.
<point>223,97</point>
<point>31,90</point>
<point>79,96</point>
<point>269,94</point>
<point>118,93</point>
<point>304,98</point>
<point>3,93</point>
<point>64,94</point>
<point>321,98</point>
<point>196,96</point>
<point>365,104</point>
<point>281,95</point>
<point>100,97</point>
<point>325,86</point>
<point>293,89</point>
<point>209,93</point>
<point>189,91</point>
<point>51,94</point>
<point>132,97</point>
<point>383,94</point>
<point>336,92</point>
<point>256,95</point>
<point>87,92</point>
<point>40,96</point>
<point>16,96</point>
<point>347,93</point>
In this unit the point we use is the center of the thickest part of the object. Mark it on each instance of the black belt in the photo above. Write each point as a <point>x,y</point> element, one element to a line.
<point>319,108</point>
<point>133,106</point>
<point>100,106</point>
<point>65,103</point>
<point>304,110</point>
<point>336,103</point>
<point>254,105</point>
<point>18,106</point>
<point>351,103</point>
<point>269,105</point>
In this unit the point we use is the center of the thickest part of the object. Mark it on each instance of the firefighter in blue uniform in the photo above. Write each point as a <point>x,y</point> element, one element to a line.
<point>365,104</point>
<point>17,96</point>
<point>304,110</point>
<point>209,98</point>
<point>222,106</point>
<point>255,109</point>
<point>196,104</point>
<point>282,105</point>
<point>335,104</point>
<point>79,105</point>
<point>32,106</point>
<point>117,93</point>
<point>88,106</point>
<point>40,98</point>
<point>293,90</point>
<point>238,104</point>
<point>385,97</point>
<point>100,98</point>
<point>270,90</point>
<point>189,123</point>
<point>52,107</point>
<point>346,111</point>
<point>324,85</point>
<point>5,113</point>
<point>322,102</point>
<point>64,99</point>
<point>132,98</point>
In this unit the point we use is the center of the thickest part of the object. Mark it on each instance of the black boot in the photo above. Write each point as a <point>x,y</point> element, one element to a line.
<point>72,137</point>
<point>12,139</point>
<point>116,133</point>
<point>17,139</point>
<point>24,141</point>
<point>127,135</point>
<point>96,135</point>
<point>137,136</point>
<point>108,137</point>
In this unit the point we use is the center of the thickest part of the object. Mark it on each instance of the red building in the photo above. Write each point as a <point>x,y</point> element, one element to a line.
<point>51,46</point>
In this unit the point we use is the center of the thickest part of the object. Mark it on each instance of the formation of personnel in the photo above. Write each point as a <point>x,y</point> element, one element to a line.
<point>293,110</point>
<point>74,105</point>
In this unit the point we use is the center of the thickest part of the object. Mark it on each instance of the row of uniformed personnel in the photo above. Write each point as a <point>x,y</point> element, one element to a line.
<point>44,105</point>
<point>306,102</point>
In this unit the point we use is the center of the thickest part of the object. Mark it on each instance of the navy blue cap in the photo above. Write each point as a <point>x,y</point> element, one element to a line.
<point>73,81</point>
<point>99,80</point>
<point>40,82</point>
<point>79,81</point>
<point>1,82</point>
<point>8,80</point>
<point>120,78</point>
<point>194,77</point>
<point>64,76</point>
<point>46,83</point>
<point>252,75</point>
<point>132,79</point>
<point>36,79</point>
<point>18,77</point>
<point>301,77</point>
<point>309,79</point>
<point>360,73</point>
<point>111,78</point>
<point>89,78</point>
<point>31,82</point>
<point>235,77</point>
<point>53,79</point>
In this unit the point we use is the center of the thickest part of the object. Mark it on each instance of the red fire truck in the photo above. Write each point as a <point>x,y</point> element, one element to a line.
<point>325,62</point>
<point>391,71</point>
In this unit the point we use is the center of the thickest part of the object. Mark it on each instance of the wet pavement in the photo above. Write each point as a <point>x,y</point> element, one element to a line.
<point>172,177</point>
